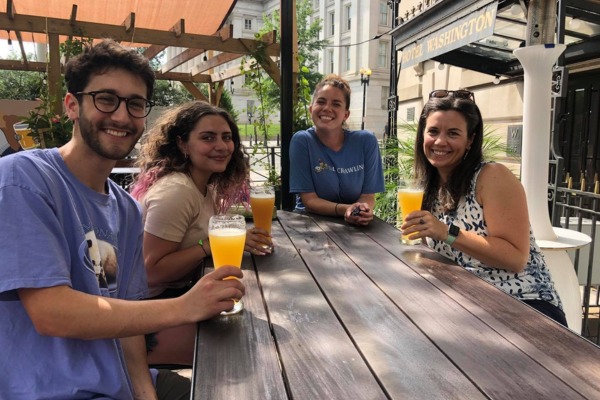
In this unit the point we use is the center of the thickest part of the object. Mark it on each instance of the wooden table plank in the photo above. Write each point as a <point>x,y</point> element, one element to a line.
<point>570,357</point>
<point>405,361</point>
<point>512,374</point>
<point>235,355</point>
<point>318,358</point>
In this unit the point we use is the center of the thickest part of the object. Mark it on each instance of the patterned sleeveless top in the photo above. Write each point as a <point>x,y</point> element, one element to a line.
<point>533,283</point>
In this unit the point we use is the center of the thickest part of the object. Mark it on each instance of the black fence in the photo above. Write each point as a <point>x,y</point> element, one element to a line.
<point>579,210</point>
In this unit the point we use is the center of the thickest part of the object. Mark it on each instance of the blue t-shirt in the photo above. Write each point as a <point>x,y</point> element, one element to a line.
<point>338,176</point>
<point>55,231</point>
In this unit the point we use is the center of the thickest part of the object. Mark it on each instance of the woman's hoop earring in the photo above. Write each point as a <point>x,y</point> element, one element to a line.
<point>187,157</point>
<point>466,154</point>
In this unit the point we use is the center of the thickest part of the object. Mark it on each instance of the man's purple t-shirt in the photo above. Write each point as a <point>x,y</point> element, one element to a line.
<point>56,231</point>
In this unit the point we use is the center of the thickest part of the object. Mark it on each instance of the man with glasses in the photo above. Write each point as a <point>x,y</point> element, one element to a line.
<point>71,272</point>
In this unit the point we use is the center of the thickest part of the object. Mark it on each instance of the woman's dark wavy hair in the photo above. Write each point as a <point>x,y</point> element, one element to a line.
<point>160,155</point>
<point>460,179</point>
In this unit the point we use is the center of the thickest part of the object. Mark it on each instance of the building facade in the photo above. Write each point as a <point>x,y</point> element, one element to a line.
<point>357,32</point>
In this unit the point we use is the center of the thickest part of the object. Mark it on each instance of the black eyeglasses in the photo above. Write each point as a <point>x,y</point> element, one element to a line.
<point>108,102</point>
<point>459,94</point>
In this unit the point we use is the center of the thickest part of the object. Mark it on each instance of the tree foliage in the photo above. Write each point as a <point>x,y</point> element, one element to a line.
<point>169,93</point>
<point>20,85</point>
<point>267,92</point>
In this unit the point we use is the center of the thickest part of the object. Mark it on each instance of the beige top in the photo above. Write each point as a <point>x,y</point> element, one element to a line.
<point>175,210</point>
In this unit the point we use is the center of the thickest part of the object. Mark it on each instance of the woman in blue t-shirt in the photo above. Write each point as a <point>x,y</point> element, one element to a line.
<point>335,171</point>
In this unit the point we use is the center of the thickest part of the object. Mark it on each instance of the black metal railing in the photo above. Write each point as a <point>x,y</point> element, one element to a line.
<point>579,210</point>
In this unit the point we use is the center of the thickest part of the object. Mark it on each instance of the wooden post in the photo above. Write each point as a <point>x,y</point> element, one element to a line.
<point>54,74</point>
<point>288,44</point>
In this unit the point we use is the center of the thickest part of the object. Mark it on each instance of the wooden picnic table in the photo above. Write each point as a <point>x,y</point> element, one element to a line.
<point>344,312</point>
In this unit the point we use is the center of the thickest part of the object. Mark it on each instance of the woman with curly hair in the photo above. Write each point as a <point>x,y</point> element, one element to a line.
<point>192,166</point>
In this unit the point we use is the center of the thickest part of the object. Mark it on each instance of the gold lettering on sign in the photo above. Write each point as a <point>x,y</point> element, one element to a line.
<point>412,53</point>
<point>460,32</point>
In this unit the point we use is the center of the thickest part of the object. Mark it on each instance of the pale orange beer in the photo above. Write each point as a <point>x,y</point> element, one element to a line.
<point>22,132</point>
<point>227,246</point>
<point>227,236</point>
<point>410,199</point>
<point>262,201</point>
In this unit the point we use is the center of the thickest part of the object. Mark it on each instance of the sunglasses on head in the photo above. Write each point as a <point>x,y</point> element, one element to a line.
<point>459,94</point>
<point>336,83</point>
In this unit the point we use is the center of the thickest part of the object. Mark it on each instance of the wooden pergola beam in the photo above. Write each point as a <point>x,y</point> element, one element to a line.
<point>73,19</point>
<point>18,65</point>
<point>129,22</point>
<point>36,66</point>
<point>224,75</point>
<point>154,50</point>
<point>11,11</point>
<point>183,77</point>
<point>224,33</point>
<point>54,74</point>
<point>222,42</point>
<point>198,95</point>
<point>35,24</point>
<point>214,62</point>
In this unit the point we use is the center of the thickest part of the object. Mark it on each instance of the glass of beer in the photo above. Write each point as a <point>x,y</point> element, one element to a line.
<point>262,202</point>
<point>22,136</point>
<point>227,235</point>
<point>410,198</point>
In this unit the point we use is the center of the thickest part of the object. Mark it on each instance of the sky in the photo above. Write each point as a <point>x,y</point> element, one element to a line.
<point>5,49</point>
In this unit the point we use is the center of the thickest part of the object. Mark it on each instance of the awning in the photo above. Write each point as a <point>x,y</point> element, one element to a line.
<point>491,51</point>
<point>472,27</point>
<point>203,17</point>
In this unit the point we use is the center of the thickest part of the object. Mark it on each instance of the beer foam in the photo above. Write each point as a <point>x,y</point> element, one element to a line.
<point>227,232</point>
<point>262,196</point>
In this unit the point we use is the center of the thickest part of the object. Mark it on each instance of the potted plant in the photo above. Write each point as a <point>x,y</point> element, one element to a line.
<point>48,129</point>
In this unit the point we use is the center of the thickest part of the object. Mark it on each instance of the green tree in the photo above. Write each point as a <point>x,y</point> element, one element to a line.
<point>266,90</point>
<point>20,85</point>
<point>169,93</point>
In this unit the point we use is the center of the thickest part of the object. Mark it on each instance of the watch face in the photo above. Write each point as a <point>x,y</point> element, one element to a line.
<point>453,230</point>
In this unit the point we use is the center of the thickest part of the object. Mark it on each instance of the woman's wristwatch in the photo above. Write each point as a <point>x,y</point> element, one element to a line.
<point>453,232</point>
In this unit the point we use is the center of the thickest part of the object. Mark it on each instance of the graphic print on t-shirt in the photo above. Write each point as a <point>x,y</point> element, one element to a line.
<point>322,166</point>
<point>103,261</point>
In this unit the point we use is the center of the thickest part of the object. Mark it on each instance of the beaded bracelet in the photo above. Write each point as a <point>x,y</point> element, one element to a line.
<point>201,243</point>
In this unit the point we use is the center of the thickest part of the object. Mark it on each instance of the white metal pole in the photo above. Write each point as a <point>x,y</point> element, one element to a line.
<point>537,64</point>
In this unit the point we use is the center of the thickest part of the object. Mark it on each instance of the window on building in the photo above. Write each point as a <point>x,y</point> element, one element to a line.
<point>347,59</point>
<point>331,23</point>
<point>347,13</point>
<point>248,24</point>
<point>410,114</point>
<point>384,14</point>
<point>385,92</point>
<point>330,60</point>
<point>382,55</point>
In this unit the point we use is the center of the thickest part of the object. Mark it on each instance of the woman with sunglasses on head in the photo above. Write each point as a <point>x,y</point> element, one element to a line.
<point>475,212</point>
<point>191,161</point>
<point>335,171</point>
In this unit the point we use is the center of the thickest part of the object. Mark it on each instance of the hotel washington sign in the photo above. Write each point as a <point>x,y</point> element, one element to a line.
<point>475,26</point>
